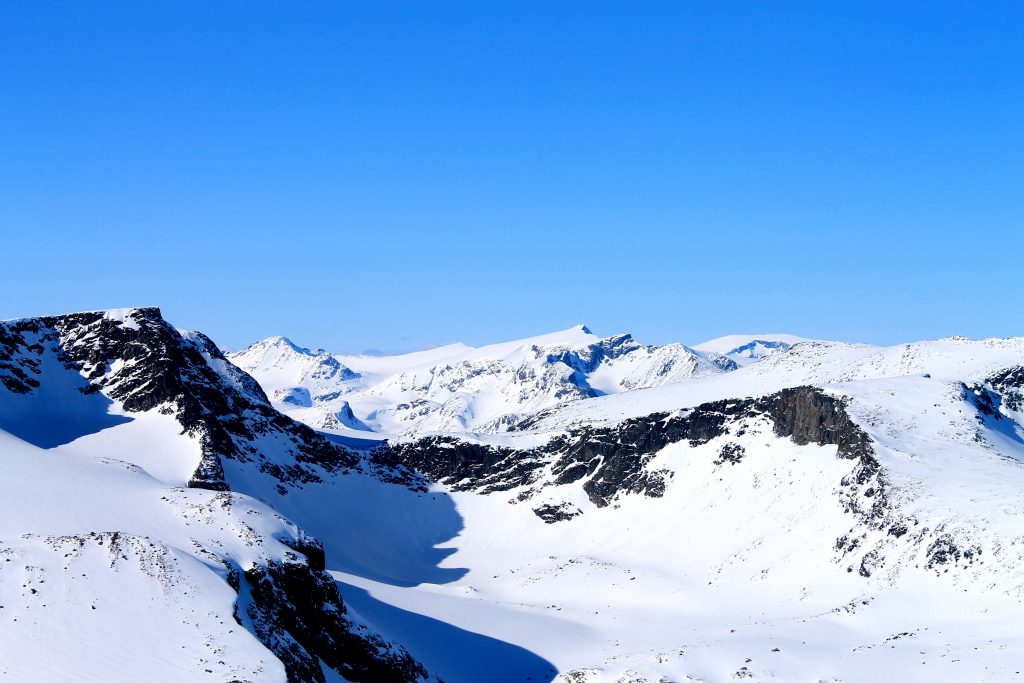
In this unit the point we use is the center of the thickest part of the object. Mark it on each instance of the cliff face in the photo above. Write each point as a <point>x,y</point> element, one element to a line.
<point>297,612</point>
<point>613,461</point>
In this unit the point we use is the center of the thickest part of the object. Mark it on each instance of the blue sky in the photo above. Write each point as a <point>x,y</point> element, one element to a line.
<point>398,175</point>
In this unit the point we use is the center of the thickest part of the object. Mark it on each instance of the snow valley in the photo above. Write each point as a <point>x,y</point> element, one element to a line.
<point>567,507</point>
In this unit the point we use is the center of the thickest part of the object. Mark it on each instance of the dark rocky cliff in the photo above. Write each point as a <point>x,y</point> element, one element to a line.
<point>613,461</point>
<point>298,613</point>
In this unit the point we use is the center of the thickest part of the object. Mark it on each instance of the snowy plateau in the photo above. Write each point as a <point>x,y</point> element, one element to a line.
<point>567,508</point>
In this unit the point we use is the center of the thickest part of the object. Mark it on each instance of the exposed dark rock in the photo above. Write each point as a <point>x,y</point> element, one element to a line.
<point>296,611</point>
<point>870,562</point>
<point>731,453</point>
<point>464,465</point>
<point>613,461</point>
<point>587,359</point>
<point>557,513</point>
<point>985,401</point>
<point>808,415</point>
<point>1009,384</point>
<point>998,402</point>
<point>19,356</point>
<point>944,550</point>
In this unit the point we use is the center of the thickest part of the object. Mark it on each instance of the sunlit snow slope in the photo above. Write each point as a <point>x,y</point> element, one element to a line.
<point>562,508</point>
<point>123,553</point>
<point>760,558</point>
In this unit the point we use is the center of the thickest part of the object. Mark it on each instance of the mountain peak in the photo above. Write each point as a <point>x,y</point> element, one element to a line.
<point>746,348</point>
<point>148,312</point>
<point>282,342</point>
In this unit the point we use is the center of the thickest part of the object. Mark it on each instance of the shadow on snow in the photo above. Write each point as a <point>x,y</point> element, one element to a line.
<point>457,655</point>
<point>64,407</point>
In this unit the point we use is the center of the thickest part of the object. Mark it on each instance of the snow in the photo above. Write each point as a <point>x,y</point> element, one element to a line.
<point>150,603</point>
<point>56,412</point>
<point>122,316</point>
<point>458,387</point>
<point>735,573</point>
<point>745,349</point>
<point>579,335</point>
<point>732,563</point>
<point>808,363</point>
<point>728,343</point>
<point>150,441</point>
<point>736,561</point>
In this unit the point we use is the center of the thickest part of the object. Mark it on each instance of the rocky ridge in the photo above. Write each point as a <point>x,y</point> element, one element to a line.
<point>144,365</point>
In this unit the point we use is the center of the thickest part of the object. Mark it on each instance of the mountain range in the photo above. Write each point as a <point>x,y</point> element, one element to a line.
<point>490,389</point>
<point>567,507</point>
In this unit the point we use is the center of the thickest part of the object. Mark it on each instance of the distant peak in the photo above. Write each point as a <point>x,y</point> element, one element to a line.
<point>583,328</point>
<point>279,341</point>
<point>285,342</point>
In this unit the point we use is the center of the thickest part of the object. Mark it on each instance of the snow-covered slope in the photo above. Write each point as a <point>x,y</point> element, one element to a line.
<point>746,348</point>
<point>110,567</point>
<point>461,388</point>
<point>837,512</point>
<point>870,529</point>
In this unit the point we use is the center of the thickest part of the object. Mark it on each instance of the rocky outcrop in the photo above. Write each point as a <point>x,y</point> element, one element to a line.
<point>588,358</point>
<point>999,403</point>
<point>552,513</point>
<point>1005,390</point>
<point>19,361</point>
<point>808,415</point>
<point>614,461</point>
<point>609,460</point>
<point>1010,383</point>
<point>464,465</point>
<point>295,609</point>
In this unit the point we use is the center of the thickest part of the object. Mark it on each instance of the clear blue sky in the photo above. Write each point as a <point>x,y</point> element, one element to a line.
<point>395,175</point>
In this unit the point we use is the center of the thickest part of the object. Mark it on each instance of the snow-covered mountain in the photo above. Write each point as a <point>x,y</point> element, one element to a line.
<point>131,527</point>
<point>563,508</point>
<point>857,518</point>
<point>461,388</point>
<point>746,348</point>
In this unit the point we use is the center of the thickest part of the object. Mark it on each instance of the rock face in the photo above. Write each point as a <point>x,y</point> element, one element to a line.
<point>1009,384</point>
<point>297,612</point>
